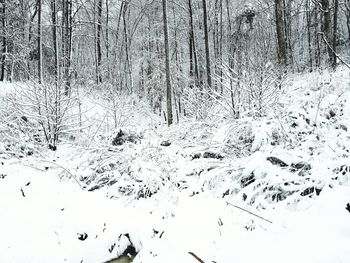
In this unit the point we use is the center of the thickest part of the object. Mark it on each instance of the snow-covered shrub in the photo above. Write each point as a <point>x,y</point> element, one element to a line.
<point>125,136</point>
<point>109,110</point>
<point>221,180</point>
<point>247,136</point>
<point>241,138</point>
<point>118,106</point>
<point>267,133</point>
<point>18,134</point>
<point>47,110</point>
<point>133,170</point>
<point>269,179</point>
<point>252,93</point>
<point>197,103</point>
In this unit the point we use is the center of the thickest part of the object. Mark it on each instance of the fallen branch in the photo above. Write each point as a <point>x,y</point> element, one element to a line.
<point>245,210</point>
<point>196,257</point>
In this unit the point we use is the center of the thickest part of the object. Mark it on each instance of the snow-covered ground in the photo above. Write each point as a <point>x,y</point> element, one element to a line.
<point>42,219</point>
<point>266,189</point>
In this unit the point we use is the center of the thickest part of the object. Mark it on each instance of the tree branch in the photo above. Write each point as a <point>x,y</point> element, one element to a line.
<point>335,53</point>
<point>249,212</point>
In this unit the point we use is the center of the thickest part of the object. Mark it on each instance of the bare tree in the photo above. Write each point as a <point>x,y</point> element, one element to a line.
<point>326,27</point>
<point>54,38</point>
<point>98,41</point>
<point>309,36</point>
<point>127,51</point>
<point>67,42</point>
<point>4,40</point>
<point>107,40</point>
<point>206,39</point>
<point>281,39</point>
<point>40,44</point>
<point>335,33</point>
<point>192,46</point>
<point>167,65</point>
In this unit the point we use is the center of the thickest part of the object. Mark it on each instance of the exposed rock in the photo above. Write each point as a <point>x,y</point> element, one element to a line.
<point>294,125</point>
<point>227,192</point>
<point>247,180</point>
<point>123,137</point>
<point>276,161</point>
<point>127,256</point>
<point>95,187</point>
<point>52,147</point>
<point>196,156</point>
<point>332,113</point>
<point>119,139</point>
<point>82,236</point>
<point>165,143</point>
<point>121,259</point>
<point>311,190</point>
<point>343,127</point>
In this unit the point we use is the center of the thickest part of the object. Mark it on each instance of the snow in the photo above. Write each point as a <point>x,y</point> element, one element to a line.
<point>43,226</point>
<point>174,204</point>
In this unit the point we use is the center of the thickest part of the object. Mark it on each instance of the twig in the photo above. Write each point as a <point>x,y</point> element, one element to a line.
<point>65,169</point>
<point>335,53</point>
<point>249,212</point>
<point>318,109</point>
<point>196,257</point>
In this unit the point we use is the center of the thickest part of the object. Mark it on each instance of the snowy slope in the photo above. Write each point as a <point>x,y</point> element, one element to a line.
<point>171,192</point>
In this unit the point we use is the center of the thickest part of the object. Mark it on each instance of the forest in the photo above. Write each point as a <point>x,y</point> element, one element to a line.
<point>210,131</point>
<point>231,52</point>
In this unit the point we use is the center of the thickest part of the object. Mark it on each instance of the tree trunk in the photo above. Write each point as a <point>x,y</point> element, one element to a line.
<point>193,53</point>
<point>4,40</point>
<point>107,39</point>
<point>281,40</point>
<point>40,51</point>
<point>309,40</point>
<point>335,33</point>
<point>117,31</point>
<point>167,65</point>
<point>347,14</point>
<point>127,53</point>
<point>216,40</point>
<point>98,41</point>
<point>191,33</point>
<point>206,39</point>
<point>326,28</point>
<point>54,37</point>
<point>220,48</point>
<point>177,95</point>
<point>67,42</point>
<point>287,18</point>
<point>317,29</point>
